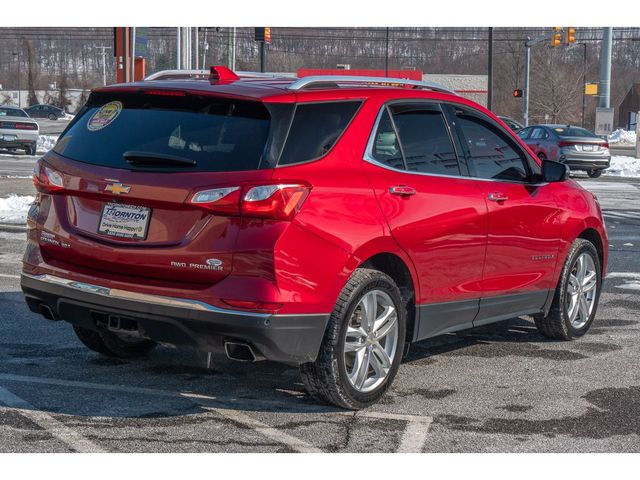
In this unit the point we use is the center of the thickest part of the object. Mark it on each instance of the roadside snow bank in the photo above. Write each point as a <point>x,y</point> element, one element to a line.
<point>623,137</point>
<point>13,209</point>
<point>622,166</point>
<point>46,143</point>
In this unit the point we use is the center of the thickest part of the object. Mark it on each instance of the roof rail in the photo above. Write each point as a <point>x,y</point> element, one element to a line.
<point>305,82</point>
<point>204,75</point>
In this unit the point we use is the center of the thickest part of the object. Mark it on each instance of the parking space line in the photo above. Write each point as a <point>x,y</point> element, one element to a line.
<point>7,275</point>
<point>270,432</point>
<point>56,428</point>
<point>414,436</point>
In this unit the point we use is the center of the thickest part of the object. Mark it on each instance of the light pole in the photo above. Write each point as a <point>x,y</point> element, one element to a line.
<point>19,92</point>
<point>527,61</point>
<point>584,78</point>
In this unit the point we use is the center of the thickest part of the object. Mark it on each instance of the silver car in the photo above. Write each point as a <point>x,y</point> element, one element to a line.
<point>576,147</point>
<point>17,130</point>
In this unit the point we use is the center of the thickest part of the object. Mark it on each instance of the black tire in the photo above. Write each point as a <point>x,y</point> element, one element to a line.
<point>326,378</point>
<point>30,150</point>
<point>557,324</point>
<point>112,345</point>
<point>594,173</point>
<point>52,116</point>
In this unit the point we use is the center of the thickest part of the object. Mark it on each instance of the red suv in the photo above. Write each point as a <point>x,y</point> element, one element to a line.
<point>325,222</point>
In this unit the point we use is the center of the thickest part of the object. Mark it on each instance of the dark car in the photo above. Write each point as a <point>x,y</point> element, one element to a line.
<point>324,222</point>
<point>576,147</point>
<point>511,123</point>
<point>45,111</point>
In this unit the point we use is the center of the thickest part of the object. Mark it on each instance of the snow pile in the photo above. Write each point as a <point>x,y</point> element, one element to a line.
<point>13,209</point>
<point>46,142</point>
<point>623,137</point>
<point>622,166</point>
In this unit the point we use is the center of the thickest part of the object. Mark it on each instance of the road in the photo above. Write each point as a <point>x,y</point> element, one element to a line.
<point>502,388</point>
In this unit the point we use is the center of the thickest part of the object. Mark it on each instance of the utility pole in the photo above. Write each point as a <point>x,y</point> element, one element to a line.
<point>584,78</point>
<point>262,65</point>
<point>490,71</point>
<point>104,63</point>
<point>527,63</point>
<point>233,50</point>
<point>178,48</point>
<point>604,93</point>
<point>386,56</point>
<point>17,54</point>
<point>230,48</point>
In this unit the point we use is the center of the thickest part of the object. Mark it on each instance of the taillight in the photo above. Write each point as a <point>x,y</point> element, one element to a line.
<point>274,201</point>
<point>46,179</point>
<point>567,144</point>
<point>277,201</point>
<point>605,145</point>
<point>26,126</point>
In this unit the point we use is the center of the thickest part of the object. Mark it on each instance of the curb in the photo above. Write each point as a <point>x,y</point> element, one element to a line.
<point>12,228</point>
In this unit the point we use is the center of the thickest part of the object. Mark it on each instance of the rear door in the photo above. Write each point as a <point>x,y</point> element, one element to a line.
<point>131,165</point>
<point>523,219</point>
<point>435,213</point>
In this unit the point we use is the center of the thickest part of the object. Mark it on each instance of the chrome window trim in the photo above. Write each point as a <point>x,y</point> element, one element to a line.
<point>150,298</point>
<point>369,158</point>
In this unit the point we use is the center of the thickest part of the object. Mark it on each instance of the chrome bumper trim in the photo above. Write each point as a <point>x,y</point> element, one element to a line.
<point>141,297</point>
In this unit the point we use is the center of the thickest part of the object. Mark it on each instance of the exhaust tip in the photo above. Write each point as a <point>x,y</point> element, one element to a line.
<point>240,352</point>
<point>47,313</point>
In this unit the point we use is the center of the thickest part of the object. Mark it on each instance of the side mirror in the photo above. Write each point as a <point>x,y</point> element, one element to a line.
<point>554,171</point>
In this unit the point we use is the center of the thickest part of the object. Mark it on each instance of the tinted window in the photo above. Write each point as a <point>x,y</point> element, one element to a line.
<point>524,133</point>
<point>425,141</point>
<point>218,134</point>
<point>315,129</point>
<point>572,132</point>
<point>12,112</point>
<point>386,148</point>
<point>538,134</point>
<point>490,152</point>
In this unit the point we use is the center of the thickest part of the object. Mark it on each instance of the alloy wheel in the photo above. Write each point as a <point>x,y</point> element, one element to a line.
<point>371,341</point>
<point>581,291</point>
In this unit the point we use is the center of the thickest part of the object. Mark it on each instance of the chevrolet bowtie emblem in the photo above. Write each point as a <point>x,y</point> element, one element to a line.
<point>117,188</point>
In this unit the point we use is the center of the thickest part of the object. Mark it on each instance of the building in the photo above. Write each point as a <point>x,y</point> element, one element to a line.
<point>629,108</point>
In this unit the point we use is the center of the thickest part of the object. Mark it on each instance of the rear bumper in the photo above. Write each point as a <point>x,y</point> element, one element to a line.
<point>586,162</point>
<point>290,339</point>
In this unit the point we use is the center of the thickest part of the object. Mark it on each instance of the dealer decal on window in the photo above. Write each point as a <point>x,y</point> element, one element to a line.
<point>104,116</point>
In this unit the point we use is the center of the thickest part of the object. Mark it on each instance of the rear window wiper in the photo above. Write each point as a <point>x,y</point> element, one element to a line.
<point>157,159</point>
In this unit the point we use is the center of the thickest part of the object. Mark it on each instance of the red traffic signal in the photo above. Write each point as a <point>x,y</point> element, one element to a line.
<point>518,93</point>
<point>263,34</point>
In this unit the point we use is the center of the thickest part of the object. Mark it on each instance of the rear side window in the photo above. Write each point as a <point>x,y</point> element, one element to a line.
<point>315,129</point>
<point>490,152</point>
<point>198,133</point>
<point>386,148</point>
<point>425,141</point>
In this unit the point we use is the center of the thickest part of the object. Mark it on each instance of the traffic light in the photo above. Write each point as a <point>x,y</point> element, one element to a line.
<point>556,38</point>
<point>570,35</point>
<point>517,93</point>
<point>263,34</point>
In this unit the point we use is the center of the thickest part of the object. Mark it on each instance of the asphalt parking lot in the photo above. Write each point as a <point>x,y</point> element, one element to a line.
<point>502,388</point>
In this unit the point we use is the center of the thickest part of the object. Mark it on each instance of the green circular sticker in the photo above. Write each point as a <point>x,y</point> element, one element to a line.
<point>104,116</point>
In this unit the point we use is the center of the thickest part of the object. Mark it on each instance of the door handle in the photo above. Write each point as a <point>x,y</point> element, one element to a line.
<point>402,190</point>
<point>497,197</point>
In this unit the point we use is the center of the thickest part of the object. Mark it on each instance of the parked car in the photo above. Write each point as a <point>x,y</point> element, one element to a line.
<point>576,147</point>
<point>17,130</point>
<point>45,111</point>
<point>325,222</point>
<point>511,123</point>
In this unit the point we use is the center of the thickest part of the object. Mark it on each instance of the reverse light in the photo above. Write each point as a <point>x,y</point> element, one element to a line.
<point>219,200</point>
<point>46,179</point>
<point>280,201</point>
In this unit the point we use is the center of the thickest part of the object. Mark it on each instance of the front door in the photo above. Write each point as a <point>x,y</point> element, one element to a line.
<point>523,220</point>
<point>435,212</point>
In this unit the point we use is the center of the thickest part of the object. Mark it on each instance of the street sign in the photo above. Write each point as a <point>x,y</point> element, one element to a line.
<point>141,42</point>
<point>604,121</point>
<point>591,89</point>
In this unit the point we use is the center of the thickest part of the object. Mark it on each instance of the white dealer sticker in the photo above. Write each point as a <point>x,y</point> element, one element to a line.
<point>126,221</point>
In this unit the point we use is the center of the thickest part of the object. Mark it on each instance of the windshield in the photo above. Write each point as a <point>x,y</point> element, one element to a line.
<point>572,132</point>
<point>12,112</point>
<point>213,134</point>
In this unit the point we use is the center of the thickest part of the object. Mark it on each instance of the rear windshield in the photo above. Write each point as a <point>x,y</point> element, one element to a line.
<point>12,112</point>
<point>572,132</point>
<point>170,133</point>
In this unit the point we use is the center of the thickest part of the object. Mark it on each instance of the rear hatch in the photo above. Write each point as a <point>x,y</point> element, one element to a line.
<point>129,167</point>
